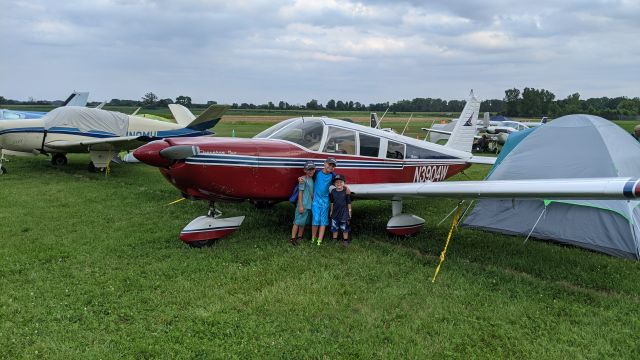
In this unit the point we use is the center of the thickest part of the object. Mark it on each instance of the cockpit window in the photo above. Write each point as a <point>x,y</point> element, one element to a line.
<point>307,133</point>
<point>268,132</point>
<point>340,141</point>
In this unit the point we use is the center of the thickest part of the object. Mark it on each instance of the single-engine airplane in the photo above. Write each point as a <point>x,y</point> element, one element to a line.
<point>75,99</point>
<point>377,163</point>
<point>74,129</point>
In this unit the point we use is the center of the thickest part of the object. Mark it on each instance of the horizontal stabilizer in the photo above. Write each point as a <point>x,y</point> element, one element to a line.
<point>209,118</point>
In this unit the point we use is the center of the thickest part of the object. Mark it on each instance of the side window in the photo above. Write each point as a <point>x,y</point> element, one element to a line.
<point>395,150</point>
<point>340,141</point>
<point>369,145</point>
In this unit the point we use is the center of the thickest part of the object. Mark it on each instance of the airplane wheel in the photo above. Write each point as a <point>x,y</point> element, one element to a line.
<point>92,168</point>
<point>59,159</point>
<point>200,243</point>
<point>3,170</point>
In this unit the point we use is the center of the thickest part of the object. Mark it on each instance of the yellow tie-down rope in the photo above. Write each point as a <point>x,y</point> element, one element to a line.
<point>454,223</point>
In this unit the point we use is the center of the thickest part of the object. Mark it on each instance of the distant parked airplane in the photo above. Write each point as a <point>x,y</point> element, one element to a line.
<point>101,133</point>
<point>75,99</point>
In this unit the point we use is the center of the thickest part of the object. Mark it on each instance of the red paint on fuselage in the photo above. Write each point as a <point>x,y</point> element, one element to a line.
<point>263,182</point>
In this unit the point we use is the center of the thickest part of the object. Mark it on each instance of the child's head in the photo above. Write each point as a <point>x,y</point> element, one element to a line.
<point>329,165</point>
<point>339,181</point>
<point>309,168</point>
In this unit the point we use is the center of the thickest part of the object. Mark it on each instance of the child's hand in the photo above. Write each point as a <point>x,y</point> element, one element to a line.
<point>300,209</point>
<point>301,180</point>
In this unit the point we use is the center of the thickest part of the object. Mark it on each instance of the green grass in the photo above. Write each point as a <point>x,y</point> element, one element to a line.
<point>92,268</point>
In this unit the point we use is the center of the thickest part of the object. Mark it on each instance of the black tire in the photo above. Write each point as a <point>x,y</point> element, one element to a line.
<point>59,159</point>
<point>200,243</point>
<point>3,170</point>
<point>92,168</point>
<point>263,204</point>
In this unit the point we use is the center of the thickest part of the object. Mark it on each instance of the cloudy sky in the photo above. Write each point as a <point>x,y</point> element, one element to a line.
<point>367,51</point>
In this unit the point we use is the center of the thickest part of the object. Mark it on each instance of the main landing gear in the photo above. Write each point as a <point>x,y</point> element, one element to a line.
<point>3,170</point>
<point>59,159</point>
<point>403,224</point>
<point>205,230</point>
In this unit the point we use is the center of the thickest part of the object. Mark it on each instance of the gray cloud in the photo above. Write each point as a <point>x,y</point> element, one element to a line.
<point>258,51</point>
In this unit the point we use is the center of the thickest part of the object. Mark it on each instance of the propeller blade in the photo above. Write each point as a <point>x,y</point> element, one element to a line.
<point>179,152</point>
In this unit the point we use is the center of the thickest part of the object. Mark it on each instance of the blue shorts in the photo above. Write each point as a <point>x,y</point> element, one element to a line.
<point>340,225</point>
<point>320,215</point>
<point>302,219</point>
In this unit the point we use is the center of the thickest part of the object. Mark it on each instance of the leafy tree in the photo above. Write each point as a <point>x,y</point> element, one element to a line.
<point>313,104</point>
<point>149,99</point>
<point>183,100</point>
<point>331,105</point>
<point>3,100</point>
<point>512,101</point>
<point>282,105</point>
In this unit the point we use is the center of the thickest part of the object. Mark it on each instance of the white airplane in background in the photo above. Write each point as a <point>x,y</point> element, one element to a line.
<point>75,99</point>
<point>101,133</point>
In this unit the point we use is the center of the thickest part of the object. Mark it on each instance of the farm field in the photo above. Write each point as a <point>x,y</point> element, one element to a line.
<point>92,268</point>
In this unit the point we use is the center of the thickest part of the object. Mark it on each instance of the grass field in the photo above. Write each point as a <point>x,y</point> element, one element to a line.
<point>92,268</point>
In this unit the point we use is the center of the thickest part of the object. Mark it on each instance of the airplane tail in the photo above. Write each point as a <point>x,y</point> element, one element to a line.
<point>373,120</point>
<point>209,118</point>
<point>463,133</point>
<point>77,99</point>
<point>182,115</point>
<point>486,120</point>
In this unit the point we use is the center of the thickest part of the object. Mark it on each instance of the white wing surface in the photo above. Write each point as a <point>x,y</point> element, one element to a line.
<point>592,188</point>
<point>113,143</point>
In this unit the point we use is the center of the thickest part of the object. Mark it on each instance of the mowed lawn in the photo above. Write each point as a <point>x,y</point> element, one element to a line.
<point>91,267</point>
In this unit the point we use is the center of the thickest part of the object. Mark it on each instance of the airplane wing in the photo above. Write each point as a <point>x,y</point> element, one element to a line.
<point>113,143</point>
<point>482,160</point>
<point>591,188</point>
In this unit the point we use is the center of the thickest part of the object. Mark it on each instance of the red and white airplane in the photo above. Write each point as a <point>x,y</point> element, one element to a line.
<point>378,164</point>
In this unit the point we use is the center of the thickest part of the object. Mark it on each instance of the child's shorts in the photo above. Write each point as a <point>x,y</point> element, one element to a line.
<point>302,219</point>
<point>340,225</point>
<point>320,215</point>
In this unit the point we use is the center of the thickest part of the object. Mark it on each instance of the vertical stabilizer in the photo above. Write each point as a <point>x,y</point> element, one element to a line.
<point>77,99</point>
<point>373,120</point>
<point>462,135</point>
<point>182,115</point>
<point>486,121</point>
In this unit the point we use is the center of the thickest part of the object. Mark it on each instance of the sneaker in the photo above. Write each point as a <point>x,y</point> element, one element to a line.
<point>319,241</point>
<point>314,240</point>
<point>298,240</point>
<point>345,243</point>
<point>293,241</point>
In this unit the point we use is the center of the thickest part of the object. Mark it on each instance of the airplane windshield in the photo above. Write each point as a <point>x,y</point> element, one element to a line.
<point>307,133</point>
<point>269,131</point>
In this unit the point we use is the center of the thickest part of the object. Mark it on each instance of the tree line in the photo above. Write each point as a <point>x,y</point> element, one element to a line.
<point>529,102</point>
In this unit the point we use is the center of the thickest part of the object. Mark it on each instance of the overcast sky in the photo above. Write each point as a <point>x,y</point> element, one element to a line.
<point>367,51</point>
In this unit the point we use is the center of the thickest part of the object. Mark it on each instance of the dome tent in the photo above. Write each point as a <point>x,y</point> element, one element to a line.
<point>573,146</point>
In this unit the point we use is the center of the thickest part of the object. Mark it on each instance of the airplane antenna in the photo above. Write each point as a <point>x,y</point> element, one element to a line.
<point>380,121</point>
<point>407,125</point>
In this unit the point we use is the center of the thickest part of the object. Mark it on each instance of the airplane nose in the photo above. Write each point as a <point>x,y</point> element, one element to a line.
<point>150,154</point>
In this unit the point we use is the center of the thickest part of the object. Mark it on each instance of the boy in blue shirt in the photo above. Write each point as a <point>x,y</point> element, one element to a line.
<point>303,205</point>
<point>320,207</point>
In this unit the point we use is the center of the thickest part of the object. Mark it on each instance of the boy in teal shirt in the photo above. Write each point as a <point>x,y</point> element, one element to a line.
<point>304,203</point>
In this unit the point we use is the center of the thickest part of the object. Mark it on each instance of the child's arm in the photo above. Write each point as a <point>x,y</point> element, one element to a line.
<point>300,207</point>
<point>349,206</point>
<point>330,204</point>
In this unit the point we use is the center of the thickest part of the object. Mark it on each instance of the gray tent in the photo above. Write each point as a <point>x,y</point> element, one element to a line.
<point>580,146</point>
